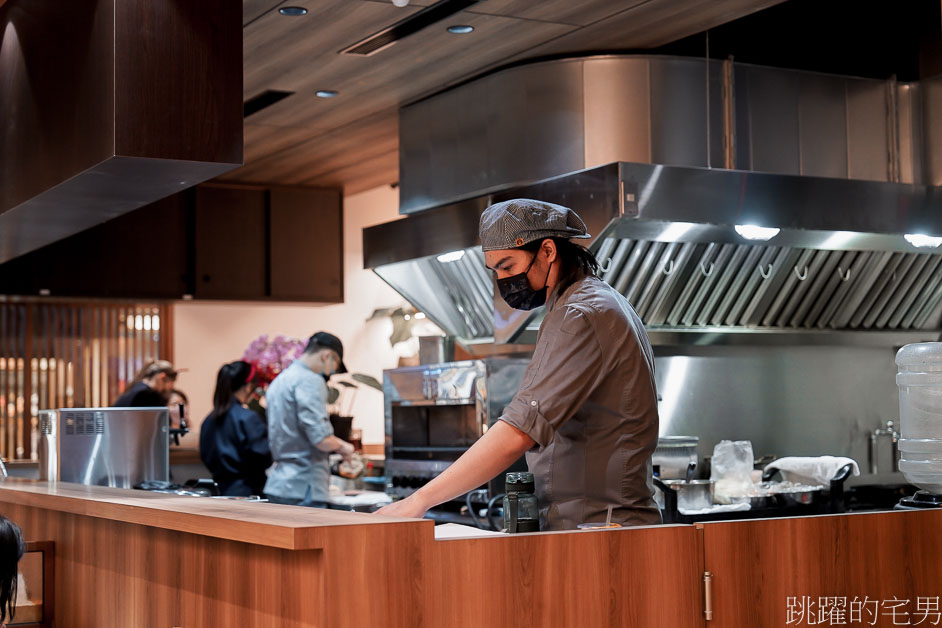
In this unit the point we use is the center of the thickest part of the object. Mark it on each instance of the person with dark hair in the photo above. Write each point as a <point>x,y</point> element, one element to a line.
<point>12,548</point>
<point>178,398</point>
<point>586,411</point>
<point>234,439</point>
<point>151,386</point>
<point>299,429</point>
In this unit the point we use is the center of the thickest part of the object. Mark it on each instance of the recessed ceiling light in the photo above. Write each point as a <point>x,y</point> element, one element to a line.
<point>460,29</point>
<point>293,11</point>
<point>326,93</point>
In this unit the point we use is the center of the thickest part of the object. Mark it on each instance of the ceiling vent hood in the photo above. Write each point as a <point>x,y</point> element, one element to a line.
<point>841,170</point>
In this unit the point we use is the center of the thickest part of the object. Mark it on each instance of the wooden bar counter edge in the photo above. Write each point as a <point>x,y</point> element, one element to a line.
<point>131,558</point>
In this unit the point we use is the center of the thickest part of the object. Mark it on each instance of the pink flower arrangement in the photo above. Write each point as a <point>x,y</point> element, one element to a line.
<point>272,356</point>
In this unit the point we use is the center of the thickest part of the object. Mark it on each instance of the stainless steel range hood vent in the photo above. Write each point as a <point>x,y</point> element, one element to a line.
<point>666,237</point>
<point>690,285</point>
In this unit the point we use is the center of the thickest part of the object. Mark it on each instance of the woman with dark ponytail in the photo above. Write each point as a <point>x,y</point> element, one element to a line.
<point>233,439</point>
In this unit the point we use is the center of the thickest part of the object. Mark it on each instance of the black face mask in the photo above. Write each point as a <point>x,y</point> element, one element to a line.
<point>517,293</point>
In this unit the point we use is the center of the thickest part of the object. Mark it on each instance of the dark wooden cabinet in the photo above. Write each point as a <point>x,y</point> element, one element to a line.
<point>214,242</point>
<point>306,244</point>
<point>142,254</point>
<point>230,243</point>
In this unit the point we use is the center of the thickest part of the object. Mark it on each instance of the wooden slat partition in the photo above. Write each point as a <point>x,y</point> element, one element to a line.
<point>62,354</point>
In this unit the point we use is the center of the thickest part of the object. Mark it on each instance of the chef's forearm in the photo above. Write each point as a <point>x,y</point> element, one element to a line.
<point>491,454</point>
<point>332,443</point>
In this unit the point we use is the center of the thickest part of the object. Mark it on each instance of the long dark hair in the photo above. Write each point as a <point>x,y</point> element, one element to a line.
<point>12,549</point>
<point>573,259</point>
<point>231,378</point>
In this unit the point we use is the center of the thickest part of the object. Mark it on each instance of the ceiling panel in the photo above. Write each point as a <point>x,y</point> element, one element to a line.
<point>253,9</point>
<point>352,140</point>
<point>649,25</point>
<point>579,13</point>
<point>313,156</point>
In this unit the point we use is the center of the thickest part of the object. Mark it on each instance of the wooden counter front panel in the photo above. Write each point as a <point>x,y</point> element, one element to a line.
<point>758,565</point>
<point>651,579</point>
<point>110,573</point>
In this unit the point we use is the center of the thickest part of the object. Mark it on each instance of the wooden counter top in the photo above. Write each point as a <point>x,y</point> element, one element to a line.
<point>273,525</point>
<point>150,560</point>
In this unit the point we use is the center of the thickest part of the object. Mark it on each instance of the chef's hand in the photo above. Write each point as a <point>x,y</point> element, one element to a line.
<point>409,507</point>
<point>346,450</point>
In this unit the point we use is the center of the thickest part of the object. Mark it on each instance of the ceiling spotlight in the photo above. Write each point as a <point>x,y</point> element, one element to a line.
<point>922,240</point>
<point>326,93</point>
<point>400,3</point>
<point>293,11</point>
<point>752,232</point>
<point>460,29</point>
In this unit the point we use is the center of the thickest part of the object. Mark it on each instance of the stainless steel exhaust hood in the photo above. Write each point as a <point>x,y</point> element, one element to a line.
<point>667,239</point>
<point>841,169</point>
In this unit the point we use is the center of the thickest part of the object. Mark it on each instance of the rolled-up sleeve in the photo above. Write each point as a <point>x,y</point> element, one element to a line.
<point>565,368</point>
<point>312,411</point>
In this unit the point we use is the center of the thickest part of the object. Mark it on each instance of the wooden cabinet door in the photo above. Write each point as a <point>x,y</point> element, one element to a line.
<point>306,244</point>
<point>776,572</point>
<point>230,243</point>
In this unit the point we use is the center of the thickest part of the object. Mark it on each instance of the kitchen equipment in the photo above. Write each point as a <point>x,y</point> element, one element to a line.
<point>436,349</point>
<point>435,412</point>
<point>673,455</point>
<point>521,511</point>
<point>688,495</point>
<point>782,500</point>
<point>920,408</point>
<point>118,447</point>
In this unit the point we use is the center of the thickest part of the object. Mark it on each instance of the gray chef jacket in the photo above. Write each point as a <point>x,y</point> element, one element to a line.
<point>589,400</point>
<point>296,407</point>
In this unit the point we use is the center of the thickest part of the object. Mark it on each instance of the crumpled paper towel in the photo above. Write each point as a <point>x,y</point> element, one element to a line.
<point>811,469</point>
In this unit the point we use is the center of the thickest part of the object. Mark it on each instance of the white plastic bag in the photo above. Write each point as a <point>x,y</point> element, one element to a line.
<point>731,470</point>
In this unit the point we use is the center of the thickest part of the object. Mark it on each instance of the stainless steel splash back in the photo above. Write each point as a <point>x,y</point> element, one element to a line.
<point>790,401</point>
<point>545,119</point>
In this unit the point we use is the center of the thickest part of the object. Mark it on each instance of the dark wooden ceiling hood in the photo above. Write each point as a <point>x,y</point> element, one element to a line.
<point>108,105</point>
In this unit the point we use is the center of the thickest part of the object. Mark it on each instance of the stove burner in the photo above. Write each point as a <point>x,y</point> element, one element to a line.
<point>919,501</point>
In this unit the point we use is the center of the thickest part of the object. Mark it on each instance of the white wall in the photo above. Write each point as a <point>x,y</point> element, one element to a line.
<point>207,335</point>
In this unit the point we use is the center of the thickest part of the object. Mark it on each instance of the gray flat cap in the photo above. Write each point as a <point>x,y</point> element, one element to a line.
<point>511,224</point>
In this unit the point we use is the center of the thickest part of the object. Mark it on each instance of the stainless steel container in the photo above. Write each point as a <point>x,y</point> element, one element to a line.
<point>117,447</point>
<point>674,454</point>
<point>692,495</point>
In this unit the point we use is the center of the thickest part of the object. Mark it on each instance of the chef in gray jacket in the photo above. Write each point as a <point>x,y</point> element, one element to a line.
<point>586,411</point>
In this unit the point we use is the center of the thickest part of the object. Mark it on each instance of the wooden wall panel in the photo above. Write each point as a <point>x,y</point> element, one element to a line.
<point>758,565</point>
